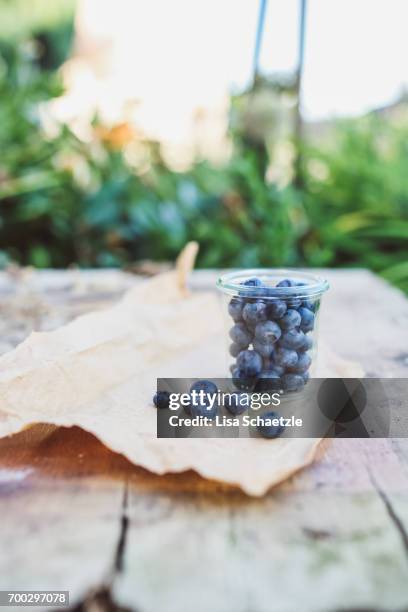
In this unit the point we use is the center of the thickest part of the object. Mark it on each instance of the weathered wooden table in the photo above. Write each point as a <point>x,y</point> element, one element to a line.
<point>77,517</point>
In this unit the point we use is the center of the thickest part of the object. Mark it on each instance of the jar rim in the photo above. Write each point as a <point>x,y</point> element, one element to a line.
<point>312,284</point>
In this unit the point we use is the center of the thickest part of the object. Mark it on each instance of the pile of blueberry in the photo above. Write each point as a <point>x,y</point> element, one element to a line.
<point>235,403</point>
<point>270,338</point>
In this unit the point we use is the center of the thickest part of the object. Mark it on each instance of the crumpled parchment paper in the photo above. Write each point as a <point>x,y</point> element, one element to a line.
<point>99,372</point>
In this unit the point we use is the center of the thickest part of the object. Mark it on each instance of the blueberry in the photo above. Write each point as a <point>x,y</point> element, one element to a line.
<point>240,335</point>
<point>292,382</point>
<point>254,313</point>
<point>255,284</point>
<point>292,339</point>
<point>307,322</point>
<point>269,365</point>
<point>268,332</point>
<point>287,282</point>
<point>267,362</point>
<point>268,381</point>
<point>200,407</point>
<point>307,343</point>
<point>204,385</point>
<point>276,309</point>
<point>310,305</point>
<point>303,363</point>
<point>187,407</point>
<point>235,308</point>
<point>234,349</point>
<point>305,376</point>
<point>236,403</point>
<point>161,399</point>
<point>268,428</point>
<point>294,303</point>
<point>274,367</point>
<point>241,381</point>
<point>265,349</point>
<point>291,319</point>
<point>252,282</point>
<point>250,363</point>
<point>285,357</point>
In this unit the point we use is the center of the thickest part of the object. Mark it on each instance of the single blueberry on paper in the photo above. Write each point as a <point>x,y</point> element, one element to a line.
<point>267,430</point>
<point>187,407</point>
<point>236,403</point>
<point>161,399</point>
<point>204,385</point>
<point>201,406</point>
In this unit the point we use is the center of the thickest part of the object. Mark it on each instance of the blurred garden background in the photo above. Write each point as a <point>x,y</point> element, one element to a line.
<point>130,127</point>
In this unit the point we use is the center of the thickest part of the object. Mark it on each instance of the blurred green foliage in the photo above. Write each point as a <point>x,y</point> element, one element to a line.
<point>49,23</point>
<point>356,197</point>
<point>113,200</point>
<point>65,201</point>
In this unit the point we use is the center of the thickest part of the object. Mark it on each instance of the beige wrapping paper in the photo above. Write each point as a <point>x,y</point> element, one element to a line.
<point>99,372</point>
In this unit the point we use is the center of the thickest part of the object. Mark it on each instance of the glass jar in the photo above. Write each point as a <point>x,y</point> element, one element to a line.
<point>272,317</point>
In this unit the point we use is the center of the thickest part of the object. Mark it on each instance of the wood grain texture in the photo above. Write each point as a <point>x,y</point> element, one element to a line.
<point>76,516</point>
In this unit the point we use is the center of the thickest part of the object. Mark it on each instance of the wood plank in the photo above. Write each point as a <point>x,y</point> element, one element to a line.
<point>61,500</point>
<point>289,551</point>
